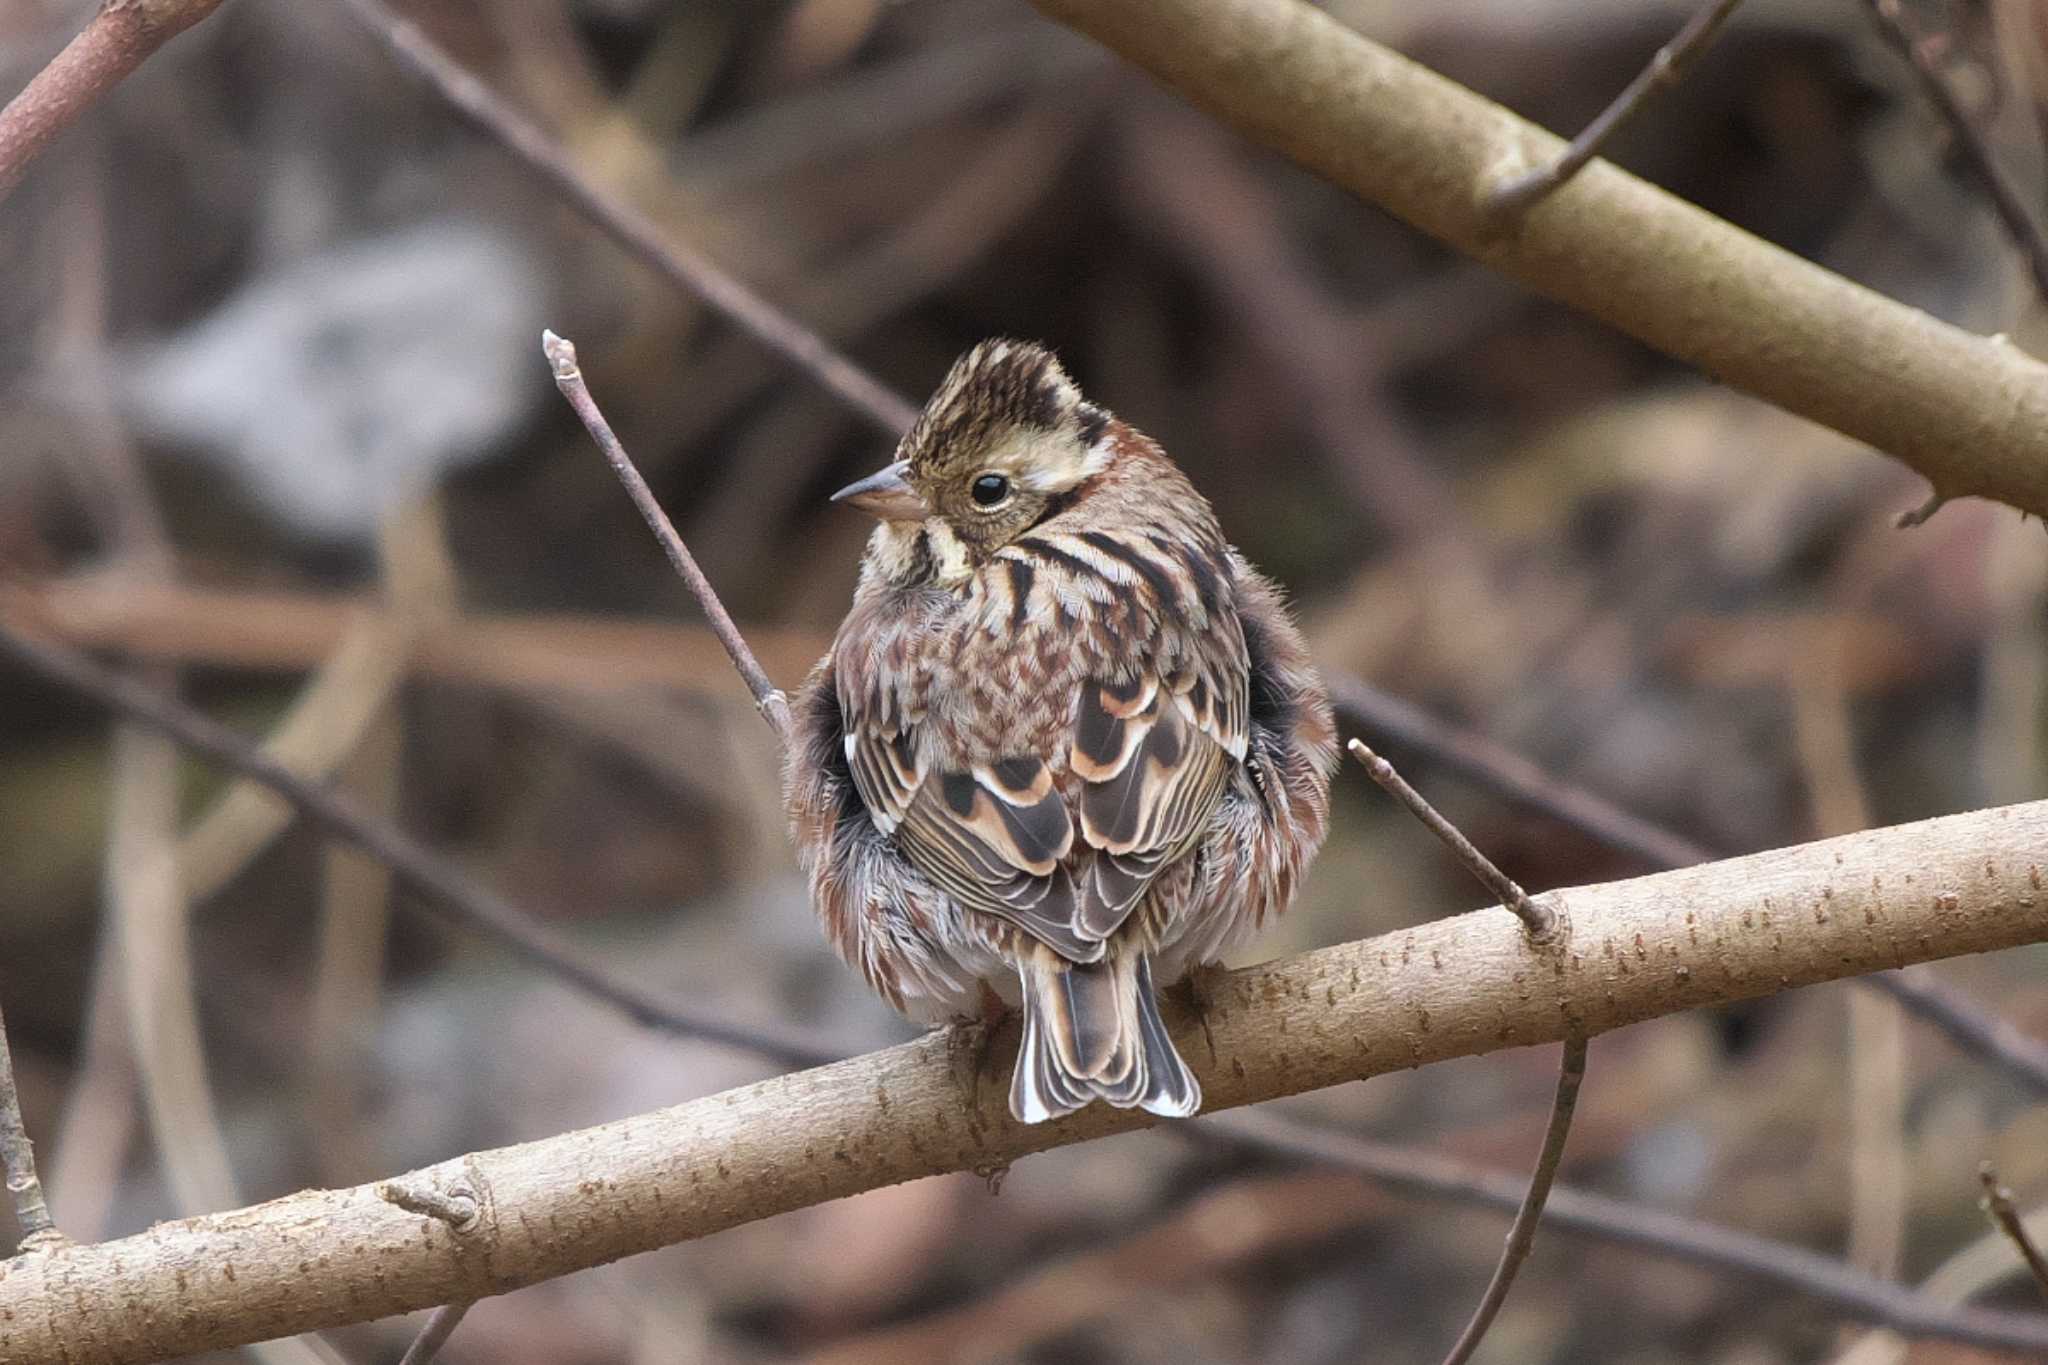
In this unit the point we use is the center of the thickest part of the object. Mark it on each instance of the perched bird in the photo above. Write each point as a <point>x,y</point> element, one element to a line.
<point>1067,743</point>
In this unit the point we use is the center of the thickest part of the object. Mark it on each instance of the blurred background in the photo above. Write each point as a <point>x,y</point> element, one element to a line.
<point>277,430</point>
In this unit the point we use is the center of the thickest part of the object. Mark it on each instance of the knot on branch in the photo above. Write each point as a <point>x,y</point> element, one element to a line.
<point>460,1200</point>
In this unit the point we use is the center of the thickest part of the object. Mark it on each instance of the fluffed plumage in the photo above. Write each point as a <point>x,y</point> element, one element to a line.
<point>1067,743</point>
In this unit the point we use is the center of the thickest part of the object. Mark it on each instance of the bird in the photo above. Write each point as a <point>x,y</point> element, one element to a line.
<point>1067,744</point>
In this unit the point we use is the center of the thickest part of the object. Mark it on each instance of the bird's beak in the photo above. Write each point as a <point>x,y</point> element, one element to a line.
<point>887,494</point>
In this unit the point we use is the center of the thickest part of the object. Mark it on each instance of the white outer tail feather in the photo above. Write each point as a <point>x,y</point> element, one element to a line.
<point>1142,1069</point>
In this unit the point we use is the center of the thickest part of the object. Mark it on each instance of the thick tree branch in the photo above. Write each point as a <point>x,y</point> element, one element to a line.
<point>120,38</point>
<point>1968,412</point>
<point>1635,949</point>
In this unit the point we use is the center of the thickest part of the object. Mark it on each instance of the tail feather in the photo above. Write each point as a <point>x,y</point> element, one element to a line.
<point>1092,1031</point>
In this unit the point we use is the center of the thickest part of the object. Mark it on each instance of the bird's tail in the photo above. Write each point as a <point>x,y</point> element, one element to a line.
<point>1092,1031</point>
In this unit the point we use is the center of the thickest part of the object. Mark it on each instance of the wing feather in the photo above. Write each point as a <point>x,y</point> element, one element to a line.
<point>1068,859</point>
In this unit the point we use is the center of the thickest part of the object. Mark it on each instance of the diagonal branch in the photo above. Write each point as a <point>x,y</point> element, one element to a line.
<point>1968,412</point>
<point>1667,65</point>
<point>678,261</point>
<point>121,36</point>
<point>1635,949</point>
<point>1904,37</point>
<point>446,887</point>
<point>1998,1207</point>
<point>774,705</point>
<point>1508,774</point>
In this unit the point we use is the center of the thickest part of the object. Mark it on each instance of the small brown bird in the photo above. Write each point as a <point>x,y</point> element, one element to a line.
<point>1067,743</point>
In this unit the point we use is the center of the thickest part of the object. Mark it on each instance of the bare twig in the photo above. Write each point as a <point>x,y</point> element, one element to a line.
<point>1571,1070</point>
<point>1853,1292</point>
<point>435,1334</point>
<point>1998,1207</point>
<point>774,705</point>
<point>460,899</point>
<point>1905,38</point>
<point>1918,515</point>
<point>120,37</point>
<point>887,410</point>
<point>1518,193</point>
<point>1539,920</point>
<point>2018,1053</point>
<point>18,1163</point>
<point>1508,774</point>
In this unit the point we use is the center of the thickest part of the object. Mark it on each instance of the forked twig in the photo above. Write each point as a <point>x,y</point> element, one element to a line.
<point>1518,193</point>
<point>1539,920</point>
<point>1522,1232</point>
<point>774,705</point>
<point>1998,1207</point>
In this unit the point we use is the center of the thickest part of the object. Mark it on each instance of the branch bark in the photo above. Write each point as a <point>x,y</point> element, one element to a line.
<point>1968,412</point>
<point>1631,950</point>
<point>120,38</point>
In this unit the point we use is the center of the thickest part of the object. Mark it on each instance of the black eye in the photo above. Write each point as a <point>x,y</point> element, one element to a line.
<point>990,489</point>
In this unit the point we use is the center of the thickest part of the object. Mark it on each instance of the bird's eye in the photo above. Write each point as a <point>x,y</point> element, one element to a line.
<point>990,489</point>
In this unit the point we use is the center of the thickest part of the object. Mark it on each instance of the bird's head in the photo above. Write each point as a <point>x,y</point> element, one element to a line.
<point>1003,444</point>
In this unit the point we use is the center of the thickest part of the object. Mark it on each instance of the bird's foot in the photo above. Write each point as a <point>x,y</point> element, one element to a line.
<point>970,1040</point>
<point>1202,983</point>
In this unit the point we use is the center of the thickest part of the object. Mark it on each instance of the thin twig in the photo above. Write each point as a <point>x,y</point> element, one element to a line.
<point>1517,194</point>
<point>1571,1070</point>
<point>889,411</point>
<point>1998,1206</point>
<point>120,37</point>
<point>1539,920</point>
<point>18,1163</point>
<point>435,1334</point>
<point>1906,39</point>
<point>1966,1023</point>
<point>1855,1293</point>
<point>460,899</point>
<point>1508,774</point>
<point>561,355</point>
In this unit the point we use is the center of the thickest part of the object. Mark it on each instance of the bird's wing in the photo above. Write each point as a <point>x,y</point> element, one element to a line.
<point>1151,747</point>
<point>995,838</point>
<point>1153,753</point>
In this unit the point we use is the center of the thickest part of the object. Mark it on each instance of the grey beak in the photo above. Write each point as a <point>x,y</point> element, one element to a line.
<point>887,494</point>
